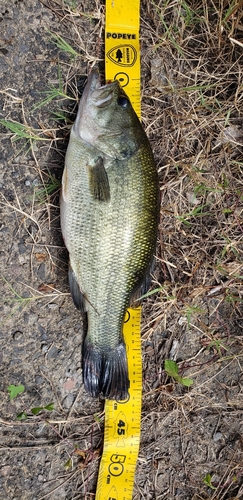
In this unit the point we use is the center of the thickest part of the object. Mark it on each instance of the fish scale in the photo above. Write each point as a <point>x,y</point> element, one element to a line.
<point>109,216</point>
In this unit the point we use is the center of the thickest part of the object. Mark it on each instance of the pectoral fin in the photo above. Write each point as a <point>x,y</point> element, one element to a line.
<point>77,295</point>
<point>98,181</point>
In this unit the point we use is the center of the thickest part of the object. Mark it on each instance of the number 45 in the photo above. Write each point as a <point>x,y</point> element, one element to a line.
<point>121,424</point>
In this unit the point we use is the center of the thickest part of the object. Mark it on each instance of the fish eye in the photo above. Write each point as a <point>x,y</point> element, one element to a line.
<point>123,102</point>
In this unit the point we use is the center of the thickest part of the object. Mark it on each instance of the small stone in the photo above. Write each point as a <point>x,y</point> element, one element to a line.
<point>22,248</point>
<point>17,335</point>
<point>192,198</point>
<point>62,322</point>
<point>44,348</point>
<point>42,272</point>
<point>39,380</point>
<point>53,353</point>
<point>27,183</point>
<point>26,317</point>
<point>217,436</point>
<point>158,74</point>
<point>68,400</point>
<point>5,470</point>
<point>69,384</point>
<point>32,319</point>
<point>52,305</point>
<point>41,329</point>
<point>149,350</point>
<point>174,349</point>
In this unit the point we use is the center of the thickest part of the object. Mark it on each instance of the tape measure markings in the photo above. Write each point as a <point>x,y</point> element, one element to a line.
<point>122,424</point>
<point>122,418</point>
<point>122,46</point>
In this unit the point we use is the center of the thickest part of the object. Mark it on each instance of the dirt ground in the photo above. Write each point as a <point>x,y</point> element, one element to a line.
<point>191,439</point>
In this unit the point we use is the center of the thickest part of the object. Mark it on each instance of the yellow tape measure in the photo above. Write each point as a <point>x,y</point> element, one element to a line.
<point>122,423</point>
<point>122,418</point>
<point>122,53</point>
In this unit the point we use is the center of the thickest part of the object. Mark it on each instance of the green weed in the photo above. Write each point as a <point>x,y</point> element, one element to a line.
<point>21,301</point>
<point>202,189</point>
<point>64,45</point>
<point>168,30</point>
<point>208,481</point>
<point>71,3</point>
<point>61,116</point>
<point>189,16</point>
<point>196,212</point>
<point>172,370</point>
<point>190,311</point>
<point>14,390</point>
<point>156,290</point>
<point>218,345</point>
<point>53,93</point>
<point>24,415</point>
<point>229,247</point>
<point>22,131</point>
<point>50,187</point>
<point>232,298</point>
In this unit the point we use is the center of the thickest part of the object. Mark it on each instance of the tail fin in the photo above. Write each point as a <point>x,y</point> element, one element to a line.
<point>105,374</point>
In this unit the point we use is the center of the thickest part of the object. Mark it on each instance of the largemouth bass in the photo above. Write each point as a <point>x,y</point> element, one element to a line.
<point>109,217</point>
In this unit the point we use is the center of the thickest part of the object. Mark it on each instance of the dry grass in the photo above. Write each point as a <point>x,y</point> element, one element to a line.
<point>193,114</point>
<point>192,55</point>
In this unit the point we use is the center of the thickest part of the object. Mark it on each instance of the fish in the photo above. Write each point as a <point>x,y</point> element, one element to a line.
<point>109,222</point>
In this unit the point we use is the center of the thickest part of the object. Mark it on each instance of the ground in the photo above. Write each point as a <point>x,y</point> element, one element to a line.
<point>191,437</point>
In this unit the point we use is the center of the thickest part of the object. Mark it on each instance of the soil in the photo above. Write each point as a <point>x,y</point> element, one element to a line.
<point>188,433</point>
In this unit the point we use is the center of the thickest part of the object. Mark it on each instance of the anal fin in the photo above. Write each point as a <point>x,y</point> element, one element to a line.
<point>143,284</point>
<point>98,181</point>
<point>77,295</point>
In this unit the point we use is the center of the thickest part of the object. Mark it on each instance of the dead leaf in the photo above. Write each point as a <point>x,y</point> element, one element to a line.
<point>81,453</point>
<point>41,257</point>
<point>46,288</point>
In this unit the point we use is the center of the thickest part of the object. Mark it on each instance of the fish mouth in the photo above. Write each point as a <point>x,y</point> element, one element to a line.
<point>100,95</point>
<point>94,96</point>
